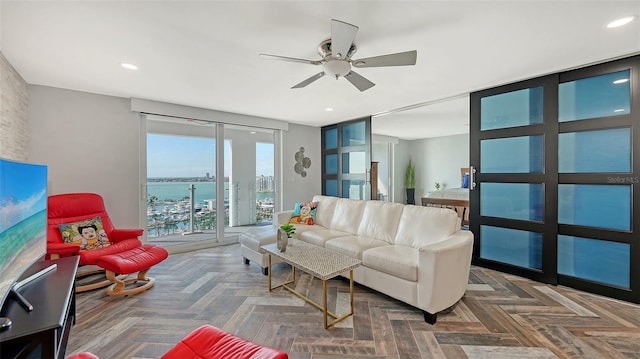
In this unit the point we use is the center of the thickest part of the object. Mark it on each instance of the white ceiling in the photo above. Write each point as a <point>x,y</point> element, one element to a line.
<point>205,53</point>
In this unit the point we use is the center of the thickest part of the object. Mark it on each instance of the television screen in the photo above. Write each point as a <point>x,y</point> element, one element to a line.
<point>23,219</point>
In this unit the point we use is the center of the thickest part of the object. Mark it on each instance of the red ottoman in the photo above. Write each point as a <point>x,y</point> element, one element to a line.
<point>209,342</point>
<point>139,260</point>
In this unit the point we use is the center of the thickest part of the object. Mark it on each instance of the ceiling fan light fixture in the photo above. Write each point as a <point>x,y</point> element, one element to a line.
<point>336,68</point>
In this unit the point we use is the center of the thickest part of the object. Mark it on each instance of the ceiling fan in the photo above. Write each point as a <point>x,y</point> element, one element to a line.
<point>336,59</point>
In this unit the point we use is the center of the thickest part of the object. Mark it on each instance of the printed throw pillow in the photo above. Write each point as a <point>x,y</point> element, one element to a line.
<point>88,233</point>
<point>304,213</point>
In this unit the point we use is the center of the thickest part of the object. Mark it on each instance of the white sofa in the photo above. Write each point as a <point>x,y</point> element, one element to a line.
<point>415,254</point>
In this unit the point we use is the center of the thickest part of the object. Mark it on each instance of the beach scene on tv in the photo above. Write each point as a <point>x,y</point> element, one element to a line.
<point>23,219</point>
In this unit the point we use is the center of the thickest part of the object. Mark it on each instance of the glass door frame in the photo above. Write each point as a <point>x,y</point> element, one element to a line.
<point>340,150</point>
<point>548,178</point>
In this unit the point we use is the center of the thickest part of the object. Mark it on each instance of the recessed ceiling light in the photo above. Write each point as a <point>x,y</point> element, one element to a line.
<point>329,109</point>
<point>253,132</point>
<point>620,22</point>
<point>620,81</point>
<point>128,66</point>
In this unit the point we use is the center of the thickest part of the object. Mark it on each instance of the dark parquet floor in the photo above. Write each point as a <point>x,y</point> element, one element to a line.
<point>500,316</point>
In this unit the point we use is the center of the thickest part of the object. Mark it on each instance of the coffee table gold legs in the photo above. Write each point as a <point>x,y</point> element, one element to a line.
<point>323,307</point>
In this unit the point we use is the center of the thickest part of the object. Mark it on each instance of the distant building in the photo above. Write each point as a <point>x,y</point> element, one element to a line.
<point>265,183</point>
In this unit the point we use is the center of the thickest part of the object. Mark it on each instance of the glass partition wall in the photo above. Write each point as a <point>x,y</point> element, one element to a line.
<point>556,185</point>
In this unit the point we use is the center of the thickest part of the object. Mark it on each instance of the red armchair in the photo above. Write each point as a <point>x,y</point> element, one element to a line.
<point>209,342</point>
<point>74,207</point>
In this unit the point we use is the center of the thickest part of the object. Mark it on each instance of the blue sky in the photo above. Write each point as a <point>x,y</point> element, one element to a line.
<point>176,156</point>
<point>23,192</point>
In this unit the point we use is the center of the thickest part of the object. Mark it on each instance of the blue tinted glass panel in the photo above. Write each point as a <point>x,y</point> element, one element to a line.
<point>595,260</point>
<point>331,164</point>
<point>511,109</point>
<point>353,189</point>
<point>353,162</point>
<point>593,97</point>
<point>353,134</point>
<point>331,187</point>
<point>512,200</point>
<point>331,139</point>
<point>595,151</point>
<point>512,246</point>
<point>602,206</point>
<point>512,155</point>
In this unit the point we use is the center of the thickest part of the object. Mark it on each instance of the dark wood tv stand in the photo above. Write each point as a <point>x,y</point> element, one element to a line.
<point>42,332</point>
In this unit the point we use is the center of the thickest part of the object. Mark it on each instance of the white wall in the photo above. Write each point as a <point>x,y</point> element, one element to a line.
<point>90,144</point>
<point>400,160</point>
<point>438,159</point>
<point>296,187</point>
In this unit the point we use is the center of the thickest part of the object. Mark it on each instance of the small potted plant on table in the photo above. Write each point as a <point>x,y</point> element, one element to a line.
<point>284,233</point>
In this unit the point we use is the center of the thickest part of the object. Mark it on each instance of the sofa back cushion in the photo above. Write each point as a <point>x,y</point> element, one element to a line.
<point>380,220</point>
<point>421,226</point>
<point>347,215</point>
<point>324,212</point>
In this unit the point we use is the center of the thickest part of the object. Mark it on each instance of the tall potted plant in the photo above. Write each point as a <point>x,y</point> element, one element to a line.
<point>410,183</point>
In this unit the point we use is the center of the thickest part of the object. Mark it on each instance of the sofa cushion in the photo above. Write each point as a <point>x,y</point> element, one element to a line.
<point>380,220</point>
<point>420,226</point>
<point>347,215</point>
<point>354,246</point>
<point>320,235</point>
<point>396,260</point>
<point>301,228</point>
<point>324,212</point>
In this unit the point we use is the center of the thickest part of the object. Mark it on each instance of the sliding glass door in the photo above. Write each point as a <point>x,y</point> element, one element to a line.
<point>557,195</point>
<point>206,182</point>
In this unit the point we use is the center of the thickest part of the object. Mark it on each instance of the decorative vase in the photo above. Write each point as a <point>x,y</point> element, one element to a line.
<point>282,240</point>
<point>411,195</point>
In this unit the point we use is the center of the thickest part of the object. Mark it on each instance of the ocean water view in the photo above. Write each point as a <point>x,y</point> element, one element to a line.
<point>175,191</point>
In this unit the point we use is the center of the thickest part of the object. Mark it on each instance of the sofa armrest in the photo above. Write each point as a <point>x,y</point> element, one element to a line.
<point>443,271</point>
<point>282,218</point>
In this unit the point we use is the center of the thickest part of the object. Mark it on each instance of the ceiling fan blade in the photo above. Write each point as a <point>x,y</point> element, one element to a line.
<point>309,80</point>
<point>342,36</point>
<point>399,59</point>
<point>358,81</point>
<point>289,59</point>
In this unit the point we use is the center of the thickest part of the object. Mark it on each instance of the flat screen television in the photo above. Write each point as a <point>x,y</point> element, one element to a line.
<point>23,220</point>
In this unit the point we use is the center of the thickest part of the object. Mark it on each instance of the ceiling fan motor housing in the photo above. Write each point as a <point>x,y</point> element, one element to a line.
<point>324,50</point>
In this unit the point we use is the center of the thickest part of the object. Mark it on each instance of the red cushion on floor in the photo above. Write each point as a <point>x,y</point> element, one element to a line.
<point>209,342</point>
<point>134,260</point>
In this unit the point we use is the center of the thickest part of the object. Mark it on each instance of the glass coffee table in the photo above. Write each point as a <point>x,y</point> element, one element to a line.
<point>321,263</point>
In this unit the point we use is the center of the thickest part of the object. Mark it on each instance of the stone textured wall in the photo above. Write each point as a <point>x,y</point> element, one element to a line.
<point>14,120</point>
